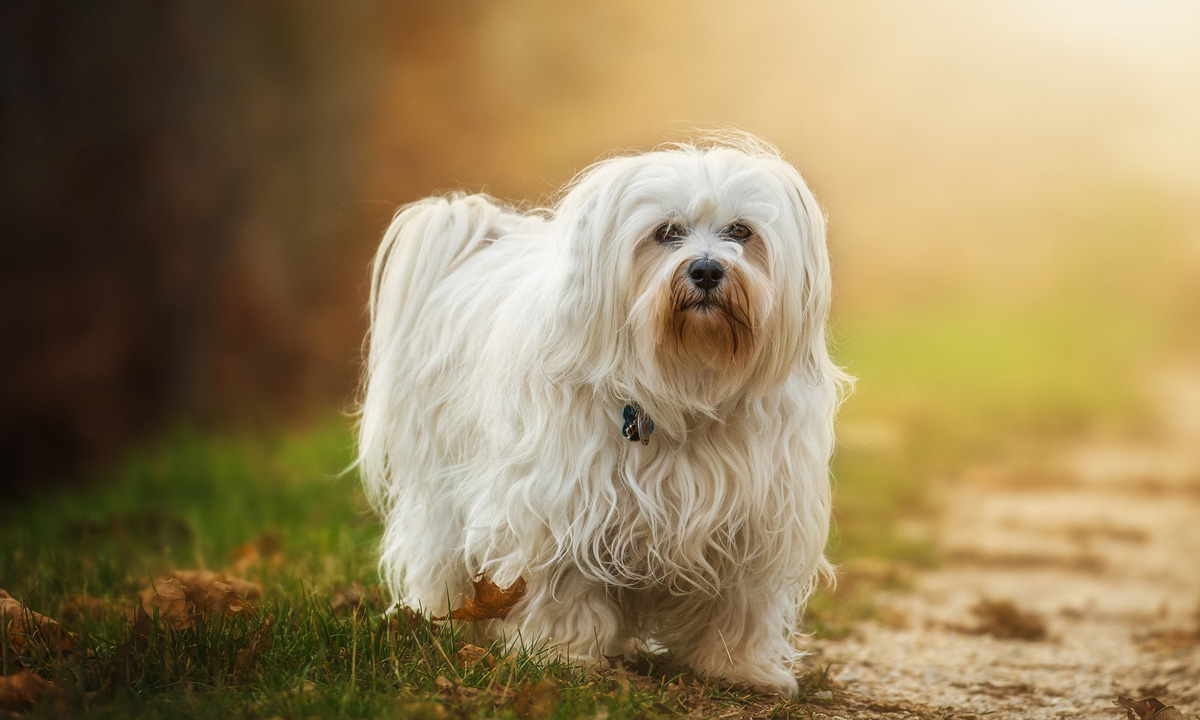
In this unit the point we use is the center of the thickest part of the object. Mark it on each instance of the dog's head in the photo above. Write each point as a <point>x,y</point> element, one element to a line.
<point>693,275</point>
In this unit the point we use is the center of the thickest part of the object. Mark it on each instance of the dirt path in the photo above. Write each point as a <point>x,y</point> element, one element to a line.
<point>1098,542</point>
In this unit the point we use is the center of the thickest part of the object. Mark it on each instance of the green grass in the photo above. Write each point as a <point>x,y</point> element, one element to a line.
<point>947,388</point>
<point>190,503</point>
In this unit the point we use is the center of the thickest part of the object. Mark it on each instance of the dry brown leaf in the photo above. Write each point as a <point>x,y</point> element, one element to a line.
<point>23,622</point>
<point>249,655</point>
<point>185,596</point>
<point>407,618</point>
<point>1148,709</point>
<point>456,689</point>
<point>1003,619</point>
<point>536,700</point>
<point>489,601</point>
<point>167,596</point>
<point>22,690</point>
<point>218,585</point>
<point>472,655</point>
<point>213,592</point>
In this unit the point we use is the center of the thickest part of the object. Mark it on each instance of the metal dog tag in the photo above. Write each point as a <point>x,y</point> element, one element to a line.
<point>637,425</point>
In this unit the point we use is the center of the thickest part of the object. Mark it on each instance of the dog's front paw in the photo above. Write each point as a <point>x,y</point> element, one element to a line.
<point>776,680</point>
<point>587,659</point>
<point>760,677</point>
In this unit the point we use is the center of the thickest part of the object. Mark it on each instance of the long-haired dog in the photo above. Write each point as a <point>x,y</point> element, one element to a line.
<point>625,400</point>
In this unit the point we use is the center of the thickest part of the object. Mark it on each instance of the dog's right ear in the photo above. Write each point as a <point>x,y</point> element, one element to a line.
<point>594,265</point>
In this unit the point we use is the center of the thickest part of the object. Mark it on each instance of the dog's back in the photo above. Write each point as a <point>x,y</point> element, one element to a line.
<point>425,243</point>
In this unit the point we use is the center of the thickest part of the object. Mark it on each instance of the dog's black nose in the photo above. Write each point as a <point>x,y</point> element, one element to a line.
<point>706,274</point>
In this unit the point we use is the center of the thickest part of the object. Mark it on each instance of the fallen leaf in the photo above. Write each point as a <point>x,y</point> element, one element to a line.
<point>23,622</point>
<point>167,596</point>
<point>489,601</point>
<point>472,655</point>
<point>213,592</point>
<point>1148,709</point>
<point>456,690</point>
<point>185,596</point>
<point>22,690</point>
<point>247,656</point>
<point>1003,619</point>
<point>218,585</point>
<point>400,617</point>
<point>536,700</point>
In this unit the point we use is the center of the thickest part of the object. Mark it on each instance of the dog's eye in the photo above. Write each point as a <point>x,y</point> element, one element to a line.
<point>739,232</point>
<point>668,233</point>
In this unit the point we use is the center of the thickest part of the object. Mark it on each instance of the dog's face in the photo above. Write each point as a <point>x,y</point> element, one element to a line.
<point>704,271</point>
<point>703,286</point>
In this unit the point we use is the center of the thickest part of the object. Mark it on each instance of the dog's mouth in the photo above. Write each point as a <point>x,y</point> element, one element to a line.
<point>729,299</point>
<point>715,320</point>
<point>703,305</point>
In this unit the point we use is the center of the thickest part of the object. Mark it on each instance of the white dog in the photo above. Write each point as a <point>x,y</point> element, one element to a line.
<point>677,298</point>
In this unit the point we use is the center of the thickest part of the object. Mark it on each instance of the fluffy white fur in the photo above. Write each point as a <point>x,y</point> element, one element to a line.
<point>503,347</point>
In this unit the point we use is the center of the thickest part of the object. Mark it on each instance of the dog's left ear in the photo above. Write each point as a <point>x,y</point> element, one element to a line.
<point>817,289</point>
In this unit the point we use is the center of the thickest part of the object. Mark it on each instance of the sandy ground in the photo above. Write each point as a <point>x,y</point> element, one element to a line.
<point>1097,541</point>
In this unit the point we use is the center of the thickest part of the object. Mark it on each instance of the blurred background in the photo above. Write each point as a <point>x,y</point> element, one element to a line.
<point>192,191</point>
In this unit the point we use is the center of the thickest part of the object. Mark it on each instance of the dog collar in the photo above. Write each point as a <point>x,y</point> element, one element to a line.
<point>638,425</point>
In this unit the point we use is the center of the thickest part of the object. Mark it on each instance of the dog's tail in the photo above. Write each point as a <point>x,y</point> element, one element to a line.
<point>425,242</point>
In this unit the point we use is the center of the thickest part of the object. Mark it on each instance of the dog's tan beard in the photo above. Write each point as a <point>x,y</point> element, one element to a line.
<point>714,329</point>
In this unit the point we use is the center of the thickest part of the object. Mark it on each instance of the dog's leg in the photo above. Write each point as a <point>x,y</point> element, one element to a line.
<point>739,638</point>
<point>423,562</point>
<point>573,618</point>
